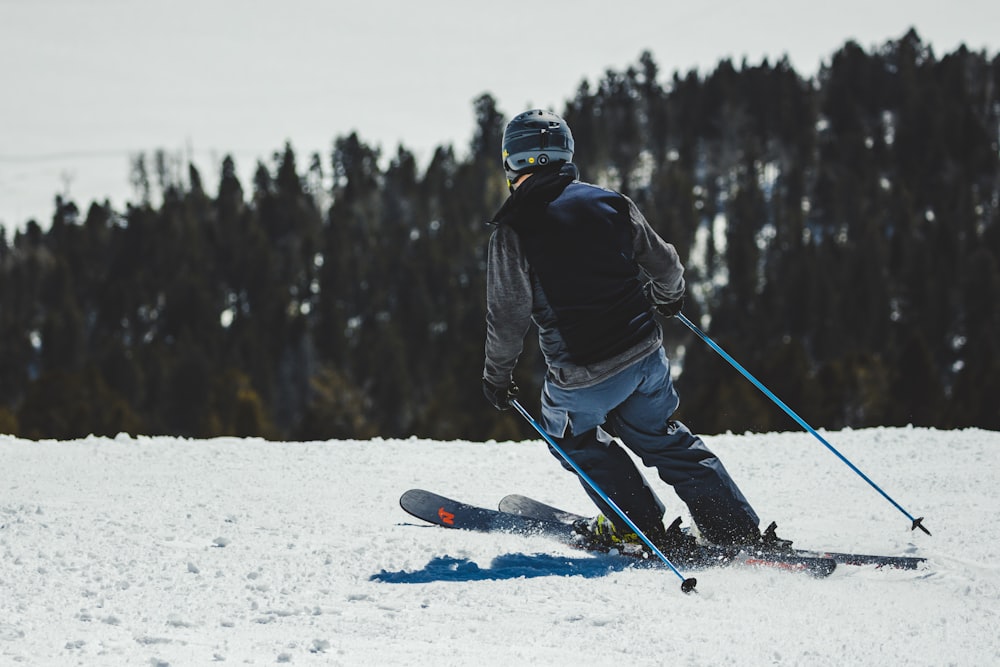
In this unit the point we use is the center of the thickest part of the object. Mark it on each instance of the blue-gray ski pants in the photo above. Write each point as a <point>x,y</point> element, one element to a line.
<point>635,405</point>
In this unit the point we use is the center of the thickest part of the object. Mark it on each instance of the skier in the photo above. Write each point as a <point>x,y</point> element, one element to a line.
<point>583,264</point>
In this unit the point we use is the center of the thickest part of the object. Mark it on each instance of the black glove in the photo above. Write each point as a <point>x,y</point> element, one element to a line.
<point>500,397</point>
<point>670,309</point>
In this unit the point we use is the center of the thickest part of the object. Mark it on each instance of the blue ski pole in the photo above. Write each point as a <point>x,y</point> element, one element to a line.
<point>688,584</point>
<point>917,523</point>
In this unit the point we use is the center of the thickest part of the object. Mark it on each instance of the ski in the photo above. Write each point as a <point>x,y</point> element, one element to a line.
<point>534,509</point>
<point>442,511</point>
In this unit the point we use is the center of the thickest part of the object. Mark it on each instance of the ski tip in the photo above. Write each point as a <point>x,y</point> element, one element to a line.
<point>919,523</point>
<point>688,585</point>
<point>410,495</point>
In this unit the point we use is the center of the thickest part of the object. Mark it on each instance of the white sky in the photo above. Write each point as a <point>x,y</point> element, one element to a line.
<point>86,84</point>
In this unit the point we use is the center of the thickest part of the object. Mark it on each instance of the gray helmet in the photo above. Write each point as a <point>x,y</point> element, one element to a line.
<point>534,139</point>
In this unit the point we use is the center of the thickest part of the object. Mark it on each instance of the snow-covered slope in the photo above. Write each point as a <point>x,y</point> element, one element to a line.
<point>169,551</point>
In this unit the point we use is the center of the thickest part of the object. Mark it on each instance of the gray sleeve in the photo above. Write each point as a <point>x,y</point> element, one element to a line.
<point>657,258</point>
<point>508,305</point>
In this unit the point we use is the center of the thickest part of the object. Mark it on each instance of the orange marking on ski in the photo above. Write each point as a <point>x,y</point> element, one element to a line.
<point>446,516</point>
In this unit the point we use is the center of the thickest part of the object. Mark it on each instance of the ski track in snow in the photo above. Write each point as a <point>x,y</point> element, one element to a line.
<point>166,551</point>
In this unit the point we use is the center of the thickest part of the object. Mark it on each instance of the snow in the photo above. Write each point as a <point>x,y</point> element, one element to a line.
<point>165,551</point>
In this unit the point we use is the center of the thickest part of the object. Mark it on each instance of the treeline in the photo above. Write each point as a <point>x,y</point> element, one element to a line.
<point>841,233</point>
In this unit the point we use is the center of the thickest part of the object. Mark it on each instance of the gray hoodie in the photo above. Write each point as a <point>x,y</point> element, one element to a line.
<point>515,299</point>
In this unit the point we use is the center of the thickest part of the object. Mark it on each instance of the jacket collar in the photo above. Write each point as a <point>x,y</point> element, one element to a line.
<point>543,187</point>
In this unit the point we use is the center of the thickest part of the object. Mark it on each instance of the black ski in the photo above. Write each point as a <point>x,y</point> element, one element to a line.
<point>450,513</point>
<point>531,508</point>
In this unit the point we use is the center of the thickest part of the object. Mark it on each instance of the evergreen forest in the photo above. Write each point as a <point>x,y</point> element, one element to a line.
<point>841,235</point>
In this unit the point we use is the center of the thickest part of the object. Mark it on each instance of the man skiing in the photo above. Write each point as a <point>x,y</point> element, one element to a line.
<point>583,264</point>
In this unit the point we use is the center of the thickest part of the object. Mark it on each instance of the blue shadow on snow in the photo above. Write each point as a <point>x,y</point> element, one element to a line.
<point>508,566</point>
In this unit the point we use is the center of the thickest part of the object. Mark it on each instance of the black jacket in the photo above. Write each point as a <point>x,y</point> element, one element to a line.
<point>574,258</point>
